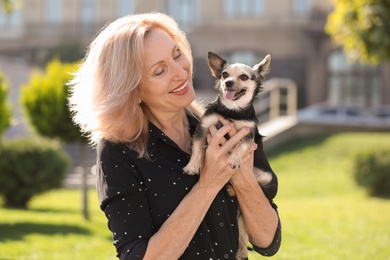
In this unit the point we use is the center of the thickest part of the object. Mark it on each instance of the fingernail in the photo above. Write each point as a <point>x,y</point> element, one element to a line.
<point>247,129</point>
<point>231,124</point>
<point>255,146</point>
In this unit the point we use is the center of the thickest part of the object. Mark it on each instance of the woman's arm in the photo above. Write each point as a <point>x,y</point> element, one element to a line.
<point>176,233</point>
<point>259,216</point>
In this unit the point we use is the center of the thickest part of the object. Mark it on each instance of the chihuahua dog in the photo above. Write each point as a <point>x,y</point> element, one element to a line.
<point>237,86</point>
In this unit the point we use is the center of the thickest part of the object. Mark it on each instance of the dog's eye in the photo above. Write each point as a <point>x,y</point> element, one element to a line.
<point>244,77</point>
<point>225,75</point>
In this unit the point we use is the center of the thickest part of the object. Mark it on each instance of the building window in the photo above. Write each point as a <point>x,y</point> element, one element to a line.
<point>247,57</point>
<point>124,7</point>
<point>183,11</point>
<point>352,84</point>
<point>10,20</point>
<point>302,7</point>
<point>88,11</point>
<point>53,11</point>
<point>244,8</point>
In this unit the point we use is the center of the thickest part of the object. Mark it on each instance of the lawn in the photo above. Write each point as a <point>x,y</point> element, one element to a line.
<point>325,215</point>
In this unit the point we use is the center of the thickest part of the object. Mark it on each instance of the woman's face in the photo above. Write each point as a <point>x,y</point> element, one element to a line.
<point>165,85</point>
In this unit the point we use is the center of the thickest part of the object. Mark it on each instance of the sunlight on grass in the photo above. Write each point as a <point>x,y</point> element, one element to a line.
<point>53,228</point>
<point>324,214</point>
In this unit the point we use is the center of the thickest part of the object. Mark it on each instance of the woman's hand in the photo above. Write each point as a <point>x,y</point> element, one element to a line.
<point>259,217</point>
<point>217,171</point>
<point>245,172</point>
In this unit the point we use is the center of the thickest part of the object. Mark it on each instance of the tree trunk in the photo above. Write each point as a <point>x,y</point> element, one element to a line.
<point>84,184</point>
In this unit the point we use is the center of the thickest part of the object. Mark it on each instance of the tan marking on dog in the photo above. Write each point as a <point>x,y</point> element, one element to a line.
<point>208,121</point>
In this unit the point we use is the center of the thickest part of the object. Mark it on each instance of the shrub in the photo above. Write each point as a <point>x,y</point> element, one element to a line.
<point>5,108</point>
<point>29,167</point>
<point>44,101</point>
<point>372,170</point>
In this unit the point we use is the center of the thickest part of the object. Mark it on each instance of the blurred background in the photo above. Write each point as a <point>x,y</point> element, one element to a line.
<point>330,70</point>
<point>323,84</point>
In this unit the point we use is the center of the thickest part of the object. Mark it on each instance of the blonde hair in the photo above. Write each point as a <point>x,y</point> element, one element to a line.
<point>104,93</point>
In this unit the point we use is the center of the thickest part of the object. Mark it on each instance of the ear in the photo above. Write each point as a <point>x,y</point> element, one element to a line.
<point>263,67</point>
<point>216,64</point>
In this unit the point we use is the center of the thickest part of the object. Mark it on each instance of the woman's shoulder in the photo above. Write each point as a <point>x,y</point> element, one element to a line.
<point>107,148</point>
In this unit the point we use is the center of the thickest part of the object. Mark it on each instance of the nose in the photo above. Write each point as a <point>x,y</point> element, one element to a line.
<point>181,70</point>
<point>229,83</point>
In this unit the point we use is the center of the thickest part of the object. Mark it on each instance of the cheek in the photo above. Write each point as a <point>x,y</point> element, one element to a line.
<point>185,63</point>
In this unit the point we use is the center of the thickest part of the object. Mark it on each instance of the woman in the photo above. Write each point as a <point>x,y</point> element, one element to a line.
<point>133,95</point>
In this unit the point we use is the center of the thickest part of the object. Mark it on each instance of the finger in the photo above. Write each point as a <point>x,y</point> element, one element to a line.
<point>236,138</point>
<point>219,135</point>
<point>249,155</point>
<point>213,129</point>
<point>225,122</point>
<point>209,138</point>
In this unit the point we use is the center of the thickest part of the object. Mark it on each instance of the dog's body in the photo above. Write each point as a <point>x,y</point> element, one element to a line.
<point>237,86</point>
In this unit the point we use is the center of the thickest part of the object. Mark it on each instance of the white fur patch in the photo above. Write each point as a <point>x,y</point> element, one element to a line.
<point>210,120</point>
<point>262,177</point>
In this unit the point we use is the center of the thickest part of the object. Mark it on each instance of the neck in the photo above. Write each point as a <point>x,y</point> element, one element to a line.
<point>174,125</point>
<point>168,120</point>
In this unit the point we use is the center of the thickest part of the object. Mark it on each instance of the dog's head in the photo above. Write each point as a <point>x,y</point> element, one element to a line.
<point>237,84</point>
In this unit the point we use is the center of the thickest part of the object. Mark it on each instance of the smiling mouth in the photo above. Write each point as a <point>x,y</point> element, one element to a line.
<point>234,94</point>
<point>179,88</point>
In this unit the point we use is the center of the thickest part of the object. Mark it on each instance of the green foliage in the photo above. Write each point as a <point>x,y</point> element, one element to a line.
<point>363,28</point>
<point>372,170</point>
<point>29,167</point>
<point>8,5</point>
<point>44,100</point>
<point>5,109</point>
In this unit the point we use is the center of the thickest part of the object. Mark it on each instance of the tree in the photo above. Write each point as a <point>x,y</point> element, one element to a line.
<point>8,5</point>
<point>44,100</point>
<point>5,108</point>
<point>362,27</point>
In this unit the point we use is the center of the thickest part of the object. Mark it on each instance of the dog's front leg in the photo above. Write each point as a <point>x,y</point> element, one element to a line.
<point>238,152</point>
<point>195,163</point>
<point>199,143</point>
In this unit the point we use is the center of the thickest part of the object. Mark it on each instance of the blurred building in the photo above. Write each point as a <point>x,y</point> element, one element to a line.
<point>292,31</point>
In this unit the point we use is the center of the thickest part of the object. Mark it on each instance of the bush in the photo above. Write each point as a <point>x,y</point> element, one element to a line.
<point>44,101</point>
<point>29,167</point>
<point>372,170</point>
<point>5,108</point>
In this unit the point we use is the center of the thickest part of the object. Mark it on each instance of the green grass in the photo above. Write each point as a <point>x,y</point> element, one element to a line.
<point>53,228</point>
<point>324,214</point>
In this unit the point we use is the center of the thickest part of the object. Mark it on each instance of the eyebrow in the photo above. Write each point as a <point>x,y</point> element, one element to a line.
<point>176,46</point>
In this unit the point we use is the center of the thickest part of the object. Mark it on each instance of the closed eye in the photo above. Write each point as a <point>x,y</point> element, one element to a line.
<point>177,54</point>
<point>244,77</point>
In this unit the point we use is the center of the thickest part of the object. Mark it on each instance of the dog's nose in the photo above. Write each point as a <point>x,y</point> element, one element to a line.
<point>229,83</point>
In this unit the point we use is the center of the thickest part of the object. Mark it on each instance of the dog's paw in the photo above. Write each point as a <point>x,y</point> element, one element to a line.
<point>191,169</point>
<point>235,165</point>
<point>234,162</point>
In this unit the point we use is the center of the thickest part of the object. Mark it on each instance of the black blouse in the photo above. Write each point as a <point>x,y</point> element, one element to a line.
<point>138,195</point>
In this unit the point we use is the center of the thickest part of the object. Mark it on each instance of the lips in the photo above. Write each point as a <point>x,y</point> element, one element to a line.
<point>181,89</point>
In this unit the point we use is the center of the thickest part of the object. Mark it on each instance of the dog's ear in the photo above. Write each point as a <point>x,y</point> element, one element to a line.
<point>216,64</point>
<point>263,67</point>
